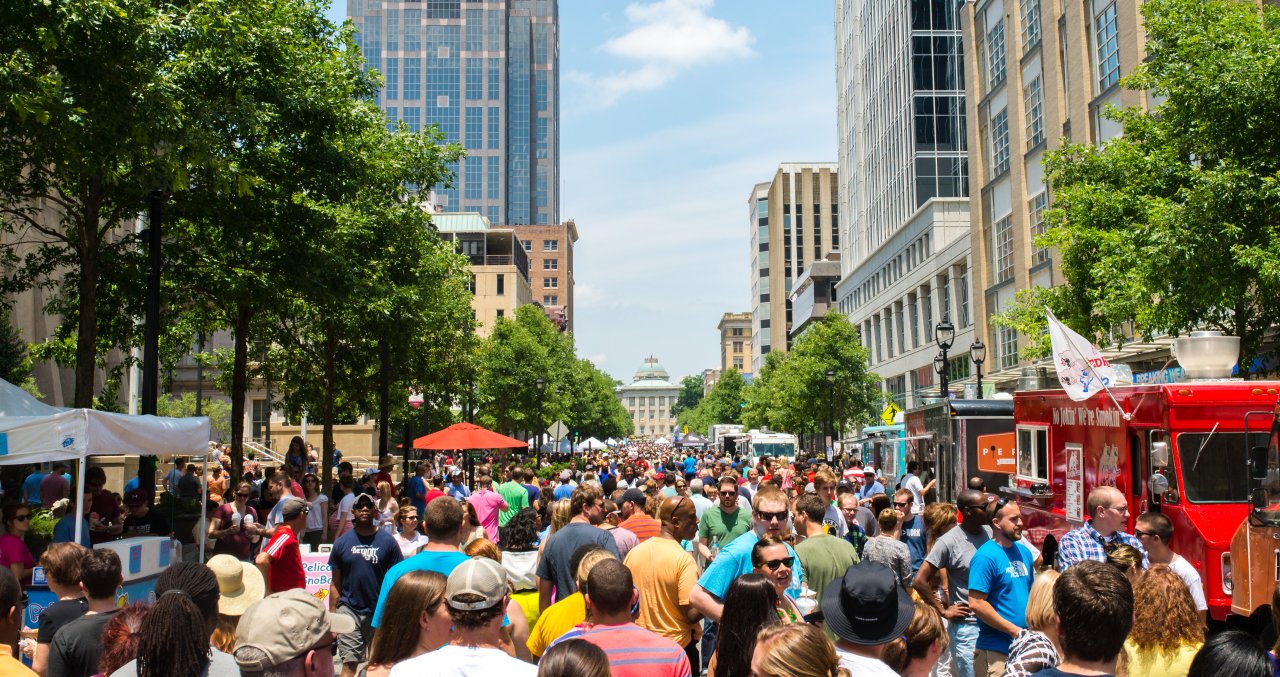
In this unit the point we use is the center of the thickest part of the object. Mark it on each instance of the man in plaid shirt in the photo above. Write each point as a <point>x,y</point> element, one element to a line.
<point>1108,512</point>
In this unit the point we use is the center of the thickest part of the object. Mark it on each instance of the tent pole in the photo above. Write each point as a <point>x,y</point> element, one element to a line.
<point>204,503</point>
<point>80,499</point>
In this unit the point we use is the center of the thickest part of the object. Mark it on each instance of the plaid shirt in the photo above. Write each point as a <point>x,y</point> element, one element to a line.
<point>1086,543</point>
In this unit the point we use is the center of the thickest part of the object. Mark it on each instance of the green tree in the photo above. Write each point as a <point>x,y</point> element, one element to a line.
<point>1172,226</point>
<point>519,351</point>
<point>723,405</point>
<point>183,406</point>
<point>15,363</point>
<point>592,408</point>
<point>792,392</point>
<point>691,392</point>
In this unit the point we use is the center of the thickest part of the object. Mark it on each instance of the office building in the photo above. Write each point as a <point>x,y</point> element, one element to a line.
<point>794,221</point>
<point>649,399</point>
<point>904,186</point>
<point>550,252</point>
<point>709,378</point>
<point>814,294</point>
<point>499,266</point>
<point>1044,72</point>
<point>488,74</point>
<point>735,343</point>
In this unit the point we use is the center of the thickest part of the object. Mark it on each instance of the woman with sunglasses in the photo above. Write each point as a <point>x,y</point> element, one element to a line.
<point>13,550</point>
<point>771,558</point>
<point>317,519</point>
<point>750,604</point>
<point>407,535</point>
<point>235,525</point>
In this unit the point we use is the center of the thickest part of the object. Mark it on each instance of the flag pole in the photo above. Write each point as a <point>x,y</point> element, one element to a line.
<point>1089,365</point>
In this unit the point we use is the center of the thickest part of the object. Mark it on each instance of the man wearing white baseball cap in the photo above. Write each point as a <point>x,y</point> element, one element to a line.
<point>476,596</point>
<point>288,634</point>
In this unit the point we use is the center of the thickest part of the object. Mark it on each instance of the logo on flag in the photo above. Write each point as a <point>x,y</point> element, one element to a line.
<point>1082,370</point>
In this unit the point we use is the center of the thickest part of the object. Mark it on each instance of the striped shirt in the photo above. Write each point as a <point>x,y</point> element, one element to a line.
<point>642,525</point>
<point>1086,543</point>
<point>634,651</point>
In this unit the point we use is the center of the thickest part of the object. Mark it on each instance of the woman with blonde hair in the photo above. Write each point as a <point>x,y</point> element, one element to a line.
<point>1167,630</point>
<point>387,508</point>
<point>916,652</point>
<point>408,536</point>
<point>795,650</point>
<point>1127,559</point>
<point>1035,647</point>
<point>417,622</point>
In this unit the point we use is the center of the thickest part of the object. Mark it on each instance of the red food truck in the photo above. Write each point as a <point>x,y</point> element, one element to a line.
<point>1183,449</point>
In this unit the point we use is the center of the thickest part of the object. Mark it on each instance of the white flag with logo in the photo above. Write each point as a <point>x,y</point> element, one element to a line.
<point>1082,370</point>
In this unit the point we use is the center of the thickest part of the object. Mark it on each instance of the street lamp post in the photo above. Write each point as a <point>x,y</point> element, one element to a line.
<point>944,335</point>
<point>537,454</point>
<point>978,353</point>
<point>415,400</point>
<point>940,368</point>
<point>831,414</point>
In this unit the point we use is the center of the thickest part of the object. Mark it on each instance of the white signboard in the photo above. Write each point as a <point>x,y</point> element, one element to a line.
<point>1075,482</point>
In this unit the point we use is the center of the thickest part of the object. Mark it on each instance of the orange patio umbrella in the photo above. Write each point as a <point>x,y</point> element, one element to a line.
<point>466,436</point>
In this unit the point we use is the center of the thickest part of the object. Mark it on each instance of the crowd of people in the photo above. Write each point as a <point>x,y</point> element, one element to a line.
<point>631,562</point>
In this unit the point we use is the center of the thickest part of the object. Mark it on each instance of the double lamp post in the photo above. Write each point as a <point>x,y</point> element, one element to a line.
<point>945,335</point>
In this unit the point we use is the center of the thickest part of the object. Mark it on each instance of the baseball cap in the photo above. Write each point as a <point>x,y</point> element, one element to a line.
<point>869,470</point>
<point>284,626</point>
<point>365,498</point>
<point>134,498</point>
<point>565,475</point>
<point>293,506</point>
<point>633,495</point>
<point>479,576</point>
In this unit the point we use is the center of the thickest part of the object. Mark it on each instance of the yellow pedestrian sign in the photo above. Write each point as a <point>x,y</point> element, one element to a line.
<point>889,413</point>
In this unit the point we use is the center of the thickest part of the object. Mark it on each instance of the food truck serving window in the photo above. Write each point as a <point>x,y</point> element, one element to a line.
<point>1033,454</point>
<point>1214,466</point>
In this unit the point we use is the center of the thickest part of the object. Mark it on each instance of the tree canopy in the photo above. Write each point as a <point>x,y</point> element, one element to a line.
<point>691,392</point>
<point>723,405</point>
<point>1174,225</point>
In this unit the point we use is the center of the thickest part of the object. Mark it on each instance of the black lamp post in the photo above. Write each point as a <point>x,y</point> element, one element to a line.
<point>831,414</point>
<point>940,368</point>
<point>978,353</point>
<point>944,335</point>
<point>416,401</point>
<point>540,385</point>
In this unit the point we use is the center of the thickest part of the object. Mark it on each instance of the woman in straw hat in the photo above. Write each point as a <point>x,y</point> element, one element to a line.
<point>240,584</point>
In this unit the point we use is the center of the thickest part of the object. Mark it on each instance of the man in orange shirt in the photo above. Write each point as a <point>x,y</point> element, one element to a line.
<point>665,574</point>
<point>634,518</point>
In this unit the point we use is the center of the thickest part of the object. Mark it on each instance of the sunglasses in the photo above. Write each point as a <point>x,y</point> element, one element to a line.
<point>773,564</point>
<point>781,515</point>
<point>242,495</point>
<point>901,504</point>
<point>1140,533</point>
<point>21,518</point>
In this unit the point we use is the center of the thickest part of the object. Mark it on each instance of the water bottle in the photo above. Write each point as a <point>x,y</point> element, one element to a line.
<point>715,550</point>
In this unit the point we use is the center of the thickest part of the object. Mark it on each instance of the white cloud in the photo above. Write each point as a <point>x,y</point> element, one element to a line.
<point>599,359</point>
<point>666,38</point>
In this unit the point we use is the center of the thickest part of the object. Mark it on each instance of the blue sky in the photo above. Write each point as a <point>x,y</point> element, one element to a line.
<point>671,110</point>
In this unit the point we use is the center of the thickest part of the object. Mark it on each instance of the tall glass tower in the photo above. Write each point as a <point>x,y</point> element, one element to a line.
<point>487,72</point>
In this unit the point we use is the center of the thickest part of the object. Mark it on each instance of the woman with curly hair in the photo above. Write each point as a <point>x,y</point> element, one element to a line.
<point>916,652</point>
<point>520,560</point>
<point>1167,630</point>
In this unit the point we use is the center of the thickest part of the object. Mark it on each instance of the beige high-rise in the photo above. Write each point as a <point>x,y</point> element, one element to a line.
<point>794,222</point>
<point>735,342</point>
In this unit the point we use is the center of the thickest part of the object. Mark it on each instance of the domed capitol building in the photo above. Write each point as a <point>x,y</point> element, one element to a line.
<point>649,399</point>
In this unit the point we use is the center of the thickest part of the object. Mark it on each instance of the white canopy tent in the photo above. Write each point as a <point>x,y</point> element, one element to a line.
<point>34,432</point>
<point>591,444</point>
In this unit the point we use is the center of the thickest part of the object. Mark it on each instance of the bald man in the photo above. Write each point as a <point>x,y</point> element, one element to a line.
<point>1108,516</point>
<point>665,574</point>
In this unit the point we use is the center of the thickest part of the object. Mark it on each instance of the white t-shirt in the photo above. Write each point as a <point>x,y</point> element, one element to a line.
<point>1191,577</point>
<point>410,548</point>
<point>912,483</point>
<point>464,661</point>
<point>835,519</point>
<point>861,665</point>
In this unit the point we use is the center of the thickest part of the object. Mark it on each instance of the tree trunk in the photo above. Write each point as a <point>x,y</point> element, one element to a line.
<point>326,414</point>
<point>87,330</point>
<point>239,387</point>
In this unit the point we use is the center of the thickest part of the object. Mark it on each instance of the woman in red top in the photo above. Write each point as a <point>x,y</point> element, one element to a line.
<point>13,550</point>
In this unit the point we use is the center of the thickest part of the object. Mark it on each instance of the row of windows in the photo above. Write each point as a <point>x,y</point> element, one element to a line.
<point>551,264</point>
<point>915,254</point>
<point>547,245</point>
<point>886,333</point>
<point>550,299</point>
<point>550,283</point>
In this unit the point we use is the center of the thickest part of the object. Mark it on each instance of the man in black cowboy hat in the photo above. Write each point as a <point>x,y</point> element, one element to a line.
<point>866,609</point>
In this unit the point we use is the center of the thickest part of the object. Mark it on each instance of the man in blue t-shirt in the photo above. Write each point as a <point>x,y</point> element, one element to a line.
<point>416,488</point>
<point>360,559</point>
<point>31,487</point>
<point>913,532</point>
<point>769,517</point>
<point>1000,576</point>
<point>443,520</point>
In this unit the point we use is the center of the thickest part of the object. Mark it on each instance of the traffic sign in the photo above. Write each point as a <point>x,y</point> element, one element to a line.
<point>889,413</point>
<point>558,430</point>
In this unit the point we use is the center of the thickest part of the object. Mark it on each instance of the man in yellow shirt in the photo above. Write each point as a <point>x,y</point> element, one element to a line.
<point>665,574</point>
<point>11,610</point>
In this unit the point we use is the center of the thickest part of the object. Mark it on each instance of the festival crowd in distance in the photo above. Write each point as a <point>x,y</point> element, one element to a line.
<point>634,561</point>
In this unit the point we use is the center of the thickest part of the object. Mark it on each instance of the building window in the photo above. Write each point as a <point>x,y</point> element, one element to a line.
<point>1108,47</point>
<point>1030,11</point>
<point>926,301</point>
<point>962,296</point>
<point>551,264</point>
<point>1033,99</point>
<point>527,244</point>
<point>1035,211</point>
<point>1008,347</point>
<point>500,313</point>
<point>913,314</point>
<point>737,346</point>
<point>472,284</point>
<point>550,245</point>
<point>550,283</point>
<point>1000,142</point>
<point>550,299</point>
<point>1002,249</point>
<point>995,55</point>
<point>502,286</point>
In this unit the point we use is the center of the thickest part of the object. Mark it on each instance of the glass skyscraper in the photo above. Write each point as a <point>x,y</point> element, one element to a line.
<point>487,72</point>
